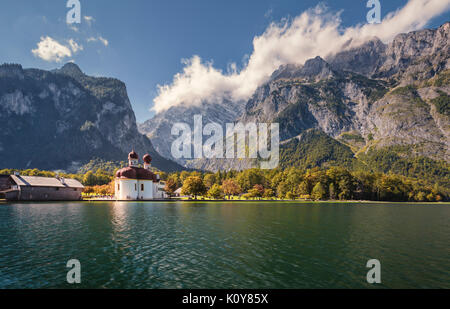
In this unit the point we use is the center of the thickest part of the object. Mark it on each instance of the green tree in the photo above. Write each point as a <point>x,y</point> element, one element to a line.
<point>318,192</point>
<point>304,188</point>
<point>249,178</point>
<point>282,189</point>
<point>290,195</point>
<point>332,191</point>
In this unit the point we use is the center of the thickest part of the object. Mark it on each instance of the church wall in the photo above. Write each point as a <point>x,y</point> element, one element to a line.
<point>128,189</point>
<point>147,193</point>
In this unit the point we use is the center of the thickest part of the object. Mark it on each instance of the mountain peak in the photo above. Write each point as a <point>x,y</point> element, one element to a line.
<point>315,68</point>
<point>71,69</point>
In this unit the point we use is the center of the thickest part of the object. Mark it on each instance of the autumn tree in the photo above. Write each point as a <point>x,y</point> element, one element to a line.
<point>89,179</point>
<point>194,186</point>
<point>215,192</point>
<point>230,187</point>
<point>256,192</point>
<point>170,187</point>
<point>210,180</point>
<point>268,193</point>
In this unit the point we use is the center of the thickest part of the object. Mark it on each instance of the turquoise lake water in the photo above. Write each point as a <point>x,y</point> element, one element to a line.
<point>224,245</point>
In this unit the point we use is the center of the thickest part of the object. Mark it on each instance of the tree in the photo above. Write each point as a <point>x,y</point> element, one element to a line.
<point>318,192</point>
<point>89,179</point>
<point>210,180</point>
<point>282,189</point>
<point>260,190</point>
<point>163,176</point>
<point>230,187</point>
<point>256,192</point>
<point>332,191</point>
<point>215,192</point>
<point>303,188</point>
<point>249,178</point>
<point>268,193</point>
<point>290,195</point>
<point>184,175</point>
<point>193,185</point>
<point>171,187</point>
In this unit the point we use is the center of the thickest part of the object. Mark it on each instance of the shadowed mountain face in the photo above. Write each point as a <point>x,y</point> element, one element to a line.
<point>64,118</point>
<point>373,99</point>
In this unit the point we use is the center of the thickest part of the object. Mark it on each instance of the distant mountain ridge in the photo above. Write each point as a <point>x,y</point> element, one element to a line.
<point>62,119</point>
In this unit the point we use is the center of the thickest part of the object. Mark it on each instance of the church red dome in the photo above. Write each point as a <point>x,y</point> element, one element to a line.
<point>147,159</point>
<point>136,173</point>
<point>133,155</point>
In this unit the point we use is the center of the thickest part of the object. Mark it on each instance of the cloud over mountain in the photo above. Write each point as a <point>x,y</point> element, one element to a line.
<point>316,32</point>
<point>49,49</point>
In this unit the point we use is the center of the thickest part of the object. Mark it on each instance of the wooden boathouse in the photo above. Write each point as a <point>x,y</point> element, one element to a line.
<point>33,188</point>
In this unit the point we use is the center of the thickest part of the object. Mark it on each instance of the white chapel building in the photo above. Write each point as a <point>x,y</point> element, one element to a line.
<point>136,183</point>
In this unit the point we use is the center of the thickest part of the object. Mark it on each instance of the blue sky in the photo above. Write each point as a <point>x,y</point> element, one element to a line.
<point>142,42</point>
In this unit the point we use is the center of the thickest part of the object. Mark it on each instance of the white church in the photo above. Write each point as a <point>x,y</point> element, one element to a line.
<point>134,183</point>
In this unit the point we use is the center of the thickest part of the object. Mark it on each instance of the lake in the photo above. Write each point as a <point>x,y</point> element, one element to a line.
<point>224,245</point>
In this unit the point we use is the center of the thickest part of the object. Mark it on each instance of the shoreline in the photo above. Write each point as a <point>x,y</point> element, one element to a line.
<point>235,201</point>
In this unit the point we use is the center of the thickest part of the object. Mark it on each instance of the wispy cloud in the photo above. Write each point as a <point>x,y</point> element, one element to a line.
<point>316,32</point>
<point>98,39</point>
<point>75,46</point>
<point>89,19</point>
<point>73,28</point>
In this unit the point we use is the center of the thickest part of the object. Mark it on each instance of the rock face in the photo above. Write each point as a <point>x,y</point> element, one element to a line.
<point>159,128</point>
<point>64,118</point>
<point>372,97</point>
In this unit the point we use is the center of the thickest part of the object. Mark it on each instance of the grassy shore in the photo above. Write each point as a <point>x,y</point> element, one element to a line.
<point>267,201</point>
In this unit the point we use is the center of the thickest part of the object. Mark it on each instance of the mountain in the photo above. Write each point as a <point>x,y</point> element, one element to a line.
<point>386,103</point>
<point>159,128</point>
<point>62,119</point>
<point>389,104</point>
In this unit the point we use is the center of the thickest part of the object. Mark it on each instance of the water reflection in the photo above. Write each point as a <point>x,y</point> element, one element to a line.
<point>223,245</point>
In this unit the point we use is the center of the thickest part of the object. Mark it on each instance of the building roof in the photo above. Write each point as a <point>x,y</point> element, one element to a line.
<point>139,173</point>
<point>35,181</point>
<point>133,155</point>
<point>147,159</point>
<point>73,183</point>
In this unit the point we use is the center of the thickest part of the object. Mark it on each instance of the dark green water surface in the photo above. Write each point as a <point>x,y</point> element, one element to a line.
<point>224,245</point>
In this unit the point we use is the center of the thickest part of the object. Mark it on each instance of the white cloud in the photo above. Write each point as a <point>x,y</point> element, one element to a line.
<point>98,39</point>
<point>316,32</point>
<point>51,50</point>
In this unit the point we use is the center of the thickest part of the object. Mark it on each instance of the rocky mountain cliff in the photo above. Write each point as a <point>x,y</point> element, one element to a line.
<point>61,119</point>
<point>373,99</point>
<point>371,96</point>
